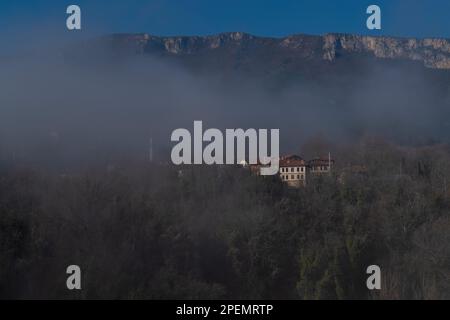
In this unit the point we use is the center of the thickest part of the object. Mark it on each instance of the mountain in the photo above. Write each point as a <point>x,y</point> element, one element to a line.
<point>432,53</point>
<point>327,59</point>
<point>338,84</point>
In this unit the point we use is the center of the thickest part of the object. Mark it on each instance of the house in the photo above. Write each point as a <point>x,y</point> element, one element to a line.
<point>320,165</point>
<point>293,170</point>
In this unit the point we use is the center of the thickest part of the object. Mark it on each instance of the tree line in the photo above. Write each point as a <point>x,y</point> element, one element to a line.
<point>214,232</point>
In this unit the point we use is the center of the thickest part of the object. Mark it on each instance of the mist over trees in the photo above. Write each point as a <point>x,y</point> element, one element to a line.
<point>209,232</point>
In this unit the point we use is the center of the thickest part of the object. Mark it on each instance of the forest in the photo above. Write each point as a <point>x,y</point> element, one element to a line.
<point>159,231</point>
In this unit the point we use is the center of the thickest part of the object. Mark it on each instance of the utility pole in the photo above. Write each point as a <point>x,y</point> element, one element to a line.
<point>329,162</point>
<point>150,155</point>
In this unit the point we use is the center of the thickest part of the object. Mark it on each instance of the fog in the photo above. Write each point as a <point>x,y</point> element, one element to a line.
<point>59,113</point>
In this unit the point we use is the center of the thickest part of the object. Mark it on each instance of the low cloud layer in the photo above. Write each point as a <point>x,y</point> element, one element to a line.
<point>57,113</point>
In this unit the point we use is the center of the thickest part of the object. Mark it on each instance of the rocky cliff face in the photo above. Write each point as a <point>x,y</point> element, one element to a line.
<point>433,53</point>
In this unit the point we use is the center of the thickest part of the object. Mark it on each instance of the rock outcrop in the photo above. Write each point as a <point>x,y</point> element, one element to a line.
<point>433,53</point>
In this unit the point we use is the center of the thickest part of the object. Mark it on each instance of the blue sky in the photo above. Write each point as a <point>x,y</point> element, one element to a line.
<point>416,18</point>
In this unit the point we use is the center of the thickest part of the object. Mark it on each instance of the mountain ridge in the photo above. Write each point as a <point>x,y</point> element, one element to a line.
<point>431,52</point>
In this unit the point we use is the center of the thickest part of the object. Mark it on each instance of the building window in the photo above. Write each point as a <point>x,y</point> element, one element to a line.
<point>298,176</point>
<point>292,177</point>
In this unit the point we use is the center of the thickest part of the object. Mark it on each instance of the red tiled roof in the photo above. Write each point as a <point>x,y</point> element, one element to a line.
<point>292,161</point>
